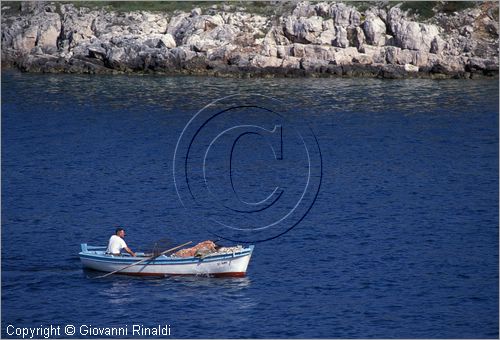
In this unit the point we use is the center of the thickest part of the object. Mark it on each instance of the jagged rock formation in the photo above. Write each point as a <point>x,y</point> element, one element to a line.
<point>316,39</point>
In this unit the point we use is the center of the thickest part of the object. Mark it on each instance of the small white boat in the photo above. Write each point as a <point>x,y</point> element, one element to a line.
<point>232,261</point>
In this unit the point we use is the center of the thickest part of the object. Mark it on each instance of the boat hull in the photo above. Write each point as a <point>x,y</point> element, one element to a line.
<point>228,264</point>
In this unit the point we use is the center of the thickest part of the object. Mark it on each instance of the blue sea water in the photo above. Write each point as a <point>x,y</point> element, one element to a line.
<point>401,242</point>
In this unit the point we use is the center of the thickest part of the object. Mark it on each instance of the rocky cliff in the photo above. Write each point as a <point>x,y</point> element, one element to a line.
<point>327,38</point>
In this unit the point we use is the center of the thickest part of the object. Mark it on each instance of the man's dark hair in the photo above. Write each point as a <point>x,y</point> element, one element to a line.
<point>118,230</point>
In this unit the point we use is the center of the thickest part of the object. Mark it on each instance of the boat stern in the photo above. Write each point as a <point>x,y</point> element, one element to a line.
<point>83,247</point>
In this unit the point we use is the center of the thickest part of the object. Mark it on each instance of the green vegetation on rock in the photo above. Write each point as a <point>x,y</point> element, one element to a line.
<point>427,9</point>
<point>422,9</point>
<point>151,6</point>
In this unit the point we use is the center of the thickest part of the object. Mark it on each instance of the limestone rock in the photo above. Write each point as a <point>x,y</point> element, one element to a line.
<point>263,62</point>
<point>324,37</point>
<point>362,58</point>
<point>196,12</point>
<point>374,30</point>
<point>304,9</point>
<point>376,53</point>
<point>345,56</point>
<point>41,30</point>
<point>284,51</point>
<point>341,39</point>
<point>316,52</point>
<point>24,40</point>
<point>291,63</point>
<point>303,30</point>
<point>437,45</point>
<point>358,37</point>
<point>269,45</point>
<point>97,52</point>
<point>410,34</point>
<point>49,28</point>
<point>168,41</point>
<point>322,9</point>
<point>344,15</point>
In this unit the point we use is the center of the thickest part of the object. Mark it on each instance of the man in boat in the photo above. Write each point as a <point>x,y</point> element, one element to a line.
<point>117,243</point>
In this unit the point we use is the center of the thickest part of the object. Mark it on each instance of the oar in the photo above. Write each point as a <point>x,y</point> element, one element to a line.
<point>141,261</point>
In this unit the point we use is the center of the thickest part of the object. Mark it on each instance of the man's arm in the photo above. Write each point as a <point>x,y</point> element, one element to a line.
<point>127,249</point>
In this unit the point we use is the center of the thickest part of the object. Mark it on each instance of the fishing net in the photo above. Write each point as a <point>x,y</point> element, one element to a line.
<point>160,245</point>
<point>201,249</point>
<point>228,250</point>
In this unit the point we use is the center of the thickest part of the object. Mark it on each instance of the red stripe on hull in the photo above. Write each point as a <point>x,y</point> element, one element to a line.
<point>229,274</point>
<point>233,274</point>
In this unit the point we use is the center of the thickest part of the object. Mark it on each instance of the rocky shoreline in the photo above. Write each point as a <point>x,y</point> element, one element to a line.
<point>315,39</point>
